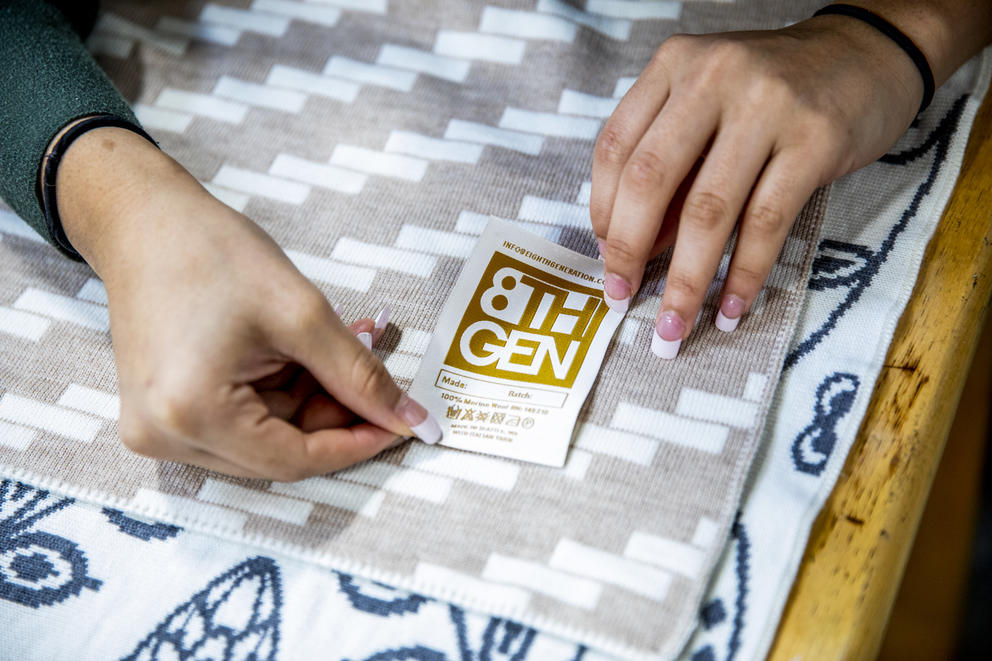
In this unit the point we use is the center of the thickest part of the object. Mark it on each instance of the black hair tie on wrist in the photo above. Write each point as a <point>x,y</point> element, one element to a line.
<point>50,167</point>
<point>896,35</point>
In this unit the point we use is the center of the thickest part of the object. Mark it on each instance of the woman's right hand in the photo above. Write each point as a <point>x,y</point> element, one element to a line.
<point>227,356</point>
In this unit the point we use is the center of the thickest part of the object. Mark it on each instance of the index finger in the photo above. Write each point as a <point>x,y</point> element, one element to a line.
<point>656,169</point>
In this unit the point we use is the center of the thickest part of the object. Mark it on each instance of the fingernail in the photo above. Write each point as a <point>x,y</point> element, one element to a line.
<point>420,421</point>
<point>602,247</point>
<point>338,309</point>
<point>366,339</point>
<point>382,318</point>
<point>729,314</point>
<point>616,292</point>
<point>667,336</point>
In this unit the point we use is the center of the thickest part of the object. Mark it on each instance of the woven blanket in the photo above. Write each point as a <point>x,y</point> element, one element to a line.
<point>368,140</point>
<point>314,119</point>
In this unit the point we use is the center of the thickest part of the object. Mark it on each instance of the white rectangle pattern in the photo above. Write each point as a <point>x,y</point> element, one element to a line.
<point>264,503</point>
<point>256,183</point>
<point>486,471</point>
<point>55,419</point>
<point>383,257</point>
<point>704,405</point>
<point>548,123</point>
<point>573,590</point>
<point>631,575</point>
<point>381,163</point>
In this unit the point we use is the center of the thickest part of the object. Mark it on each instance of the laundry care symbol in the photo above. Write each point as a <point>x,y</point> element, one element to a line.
<point>834,399</point>
<point>235,617</point>
<point>37,568</point>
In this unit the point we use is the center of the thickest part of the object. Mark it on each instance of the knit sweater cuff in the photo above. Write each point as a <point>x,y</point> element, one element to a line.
<point>48,80</point>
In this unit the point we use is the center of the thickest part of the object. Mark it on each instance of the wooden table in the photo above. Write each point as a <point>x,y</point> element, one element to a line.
<point>858,547</point>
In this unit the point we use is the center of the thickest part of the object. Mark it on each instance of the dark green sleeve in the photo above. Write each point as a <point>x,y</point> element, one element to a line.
<point>47,79</point>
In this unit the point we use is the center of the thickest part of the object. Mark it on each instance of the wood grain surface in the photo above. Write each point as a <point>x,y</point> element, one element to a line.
<point>857,551</point>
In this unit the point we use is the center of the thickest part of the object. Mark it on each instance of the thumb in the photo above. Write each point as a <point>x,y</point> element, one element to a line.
<point>357,378</point>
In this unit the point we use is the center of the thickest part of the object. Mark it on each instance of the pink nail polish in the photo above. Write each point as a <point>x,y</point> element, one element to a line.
<point>729,314</point>
<point>602,247</point>
<point>421,423</point>
<point>616,292</point>
<point>667,337</point>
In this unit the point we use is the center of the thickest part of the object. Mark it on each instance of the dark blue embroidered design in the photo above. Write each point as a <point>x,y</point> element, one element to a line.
<point>234,618</point>
<point>416,653</point>
<point>713,613</point>
<point>840,264</point>
<point>140,529</point>
<point>704,654</point>
<point>742,568</point>
<point>508,645</point>
<point>399,603</point>
<point>834,398</point>
<point>37,568</point>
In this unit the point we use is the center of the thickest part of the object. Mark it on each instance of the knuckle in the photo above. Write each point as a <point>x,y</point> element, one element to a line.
<point>612,147</point>
<point>307,309</point>
<point>622,250</point>
<point>764,220</point>
<point>172,411</point>
<point>683,286</point>
<point>705,210</point>
<point>749,276</point>
<point>645,172</point>
<point>137,436</point>
<point>369,376</point>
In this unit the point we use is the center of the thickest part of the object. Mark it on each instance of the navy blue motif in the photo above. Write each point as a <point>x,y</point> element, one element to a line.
<point>839,264</point>
<point>415,653</point>
<point>813,446</point>
<point>398,603</point>
<point>37,568</point>
<point>234,618</point>
<point>715,612</point>
<point>140,529</point>
<point>509,639</point>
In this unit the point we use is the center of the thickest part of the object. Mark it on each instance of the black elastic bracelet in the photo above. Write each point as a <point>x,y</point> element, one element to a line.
<point>50,168</point>
<point>896,35</point>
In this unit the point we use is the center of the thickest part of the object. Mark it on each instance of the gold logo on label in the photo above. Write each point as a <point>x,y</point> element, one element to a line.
<point>526,325</point>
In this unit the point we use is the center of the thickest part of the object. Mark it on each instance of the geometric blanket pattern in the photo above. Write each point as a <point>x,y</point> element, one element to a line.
<point>372,140</point>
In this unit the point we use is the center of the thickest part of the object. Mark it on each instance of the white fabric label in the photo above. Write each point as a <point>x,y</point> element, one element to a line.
<point>517,347</point>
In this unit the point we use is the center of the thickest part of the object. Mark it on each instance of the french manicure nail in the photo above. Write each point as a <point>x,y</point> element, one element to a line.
<point>382,318</point>
<point>602,247</point>
<point>365,338</point>
<point>616,292</point>
<point>338,309</point>
<point>667,337</point>
<point>421,423</point>
<point>729,314</point>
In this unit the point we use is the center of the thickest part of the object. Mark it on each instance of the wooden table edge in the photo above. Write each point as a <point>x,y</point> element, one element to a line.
<point>858,546</point>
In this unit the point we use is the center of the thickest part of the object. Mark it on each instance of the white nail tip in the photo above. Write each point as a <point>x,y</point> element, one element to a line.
<point>617,304</point>
<point>383,318</point>
<point>338,309</point>
<point>428,431</point>
<point>724,324</point>
<point>662,348</point>
<point>366,339</point>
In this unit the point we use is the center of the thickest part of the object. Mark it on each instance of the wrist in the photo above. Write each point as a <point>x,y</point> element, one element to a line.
<point>106,177</point>
<point>888,72</point>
